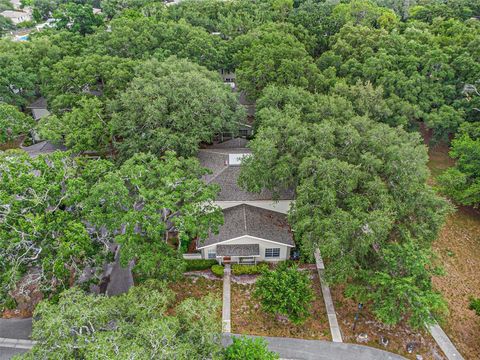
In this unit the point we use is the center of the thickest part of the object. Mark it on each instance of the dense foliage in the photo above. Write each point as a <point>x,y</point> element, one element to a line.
<point>249,348</point>
<point>341,88</point>
<point>285,291</point>
<point>60,215</point>
<point>133,325</point>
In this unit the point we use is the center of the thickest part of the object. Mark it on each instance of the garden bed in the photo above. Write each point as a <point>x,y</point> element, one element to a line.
<point>398,336</point>
<point>248,317</point>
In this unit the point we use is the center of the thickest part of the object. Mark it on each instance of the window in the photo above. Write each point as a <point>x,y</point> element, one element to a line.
<point>272,253</point>
<point>212,254</point>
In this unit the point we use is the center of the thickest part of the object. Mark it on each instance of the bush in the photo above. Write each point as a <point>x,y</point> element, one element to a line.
<point>249,348</point>
<point>217,270</point>
<point>285,291</point>
<point>200,264</point>
<point>238,269</point>
<point>475,305</point>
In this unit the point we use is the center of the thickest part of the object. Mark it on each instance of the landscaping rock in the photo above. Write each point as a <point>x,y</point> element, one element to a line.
<point>410,347</point>
<point>418,357</point>
<point>384,341</point>
<point>362,338</point>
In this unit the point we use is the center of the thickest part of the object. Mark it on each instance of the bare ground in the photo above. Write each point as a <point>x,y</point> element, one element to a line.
<point>248,317</point>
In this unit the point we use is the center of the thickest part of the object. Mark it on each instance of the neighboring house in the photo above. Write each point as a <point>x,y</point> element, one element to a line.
<point>255,227</point>
<point>43,147</point>
<point>39,108</point>
<point>16,17</point>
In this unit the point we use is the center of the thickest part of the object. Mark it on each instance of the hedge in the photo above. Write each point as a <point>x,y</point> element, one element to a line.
<point>238,269</point>
<point>217,270</point>
<point>199,264</point>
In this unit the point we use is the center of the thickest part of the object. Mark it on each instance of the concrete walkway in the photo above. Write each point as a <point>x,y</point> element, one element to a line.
<point>299,349</point>
<point>444,343</point>
<point>327,298</point>
<point>226,321</point>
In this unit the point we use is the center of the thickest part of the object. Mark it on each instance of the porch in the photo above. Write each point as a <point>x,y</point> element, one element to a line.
<point>238,253</point>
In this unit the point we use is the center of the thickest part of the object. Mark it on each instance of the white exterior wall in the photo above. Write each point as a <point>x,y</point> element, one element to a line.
<point>281,206</point>
<point>263,244</point>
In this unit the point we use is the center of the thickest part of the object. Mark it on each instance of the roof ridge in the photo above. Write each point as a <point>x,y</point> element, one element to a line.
<point>218,174</point>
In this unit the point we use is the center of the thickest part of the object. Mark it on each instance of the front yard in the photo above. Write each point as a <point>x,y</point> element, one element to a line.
<point>398,336</point>
<point>249,318</point>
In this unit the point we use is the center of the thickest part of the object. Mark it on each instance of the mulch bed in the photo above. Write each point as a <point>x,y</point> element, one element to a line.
<point>248,317</point>
<point>398,336</point>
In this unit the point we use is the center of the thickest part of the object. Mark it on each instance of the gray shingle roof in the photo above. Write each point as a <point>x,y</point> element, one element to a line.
<point>238,250</point>
<point>40,103</point>
<point>44,147</point>
<point>244,219</point>
<point>226,176</point>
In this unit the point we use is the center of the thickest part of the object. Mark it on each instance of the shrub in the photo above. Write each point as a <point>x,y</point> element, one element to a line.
<point>238,269</point>
<point>475,305</point>
<point>217,270</point>
<point>285,291</point>
<point>199,264</point>
<point>249,348</point>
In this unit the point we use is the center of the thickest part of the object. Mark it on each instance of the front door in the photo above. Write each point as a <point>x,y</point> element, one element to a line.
<point>227,259</point>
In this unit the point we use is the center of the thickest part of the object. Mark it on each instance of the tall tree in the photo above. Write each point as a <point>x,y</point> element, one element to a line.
<point>13,123</point>
<point>133,325</point>
<point>172,105</point>
<point>149,200</point>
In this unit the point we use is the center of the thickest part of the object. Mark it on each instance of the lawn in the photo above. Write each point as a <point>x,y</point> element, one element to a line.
<point>248,317</point>
<point>398,336</point>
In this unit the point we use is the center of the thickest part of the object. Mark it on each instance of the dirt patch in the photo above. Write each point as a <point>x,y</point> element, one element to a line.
<point>196,287</point>
<point>248,317</point>
<point>458,248</point>
<point>398,336</point>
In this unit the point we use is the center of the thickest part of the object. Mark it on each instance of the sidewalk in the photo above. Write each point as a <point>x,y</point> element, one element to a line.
<point>327,298</point>
<point>226,321</point>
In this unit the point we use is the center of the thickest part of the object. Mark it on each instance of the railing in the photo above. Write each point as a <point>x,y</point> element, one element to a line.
<point>194,256</point>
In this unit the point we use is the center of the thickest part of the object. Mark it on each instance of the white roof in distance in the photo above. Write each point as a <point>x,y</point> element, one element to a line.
<point>236,159</point>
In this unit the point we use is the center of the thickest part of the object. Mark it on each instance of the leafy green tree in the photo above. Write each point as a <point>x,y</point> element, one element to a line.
<point>148,200</point>
<point>400,287</point>
<point>462,182</point>
<point>85,128</point>
<point>285,291</point>
<point>73,78</point>
<point>13,123</point>
<point>269,55</point>
<point>17,79</point>
<point>112,8</point>
<point>41,228</point>
<point>249,348</point>
<point>172,105</point>
<point>77,18</point>
<point>5,25</point>
<point>133,325</point>
<point>358,190</point>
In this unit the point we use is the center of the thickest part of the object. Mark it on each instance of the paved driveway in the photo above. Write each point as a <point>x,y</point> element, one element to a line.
<point>7,353</point>
<point>323,350</point>
<point>16,328</point>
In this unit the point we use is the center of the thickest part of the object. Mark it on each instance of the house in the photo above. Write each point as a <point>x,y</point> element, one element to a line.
<point>255,224</point>
<point>16,17</point>
<point>250,234</point>
<point>39,108</point>
<point>43,147</point>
